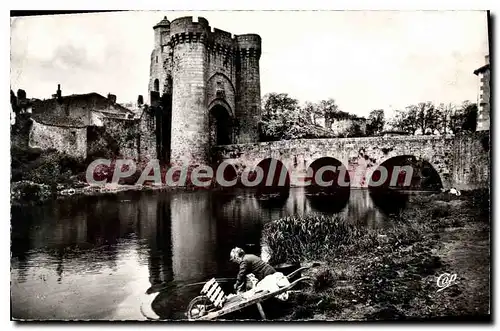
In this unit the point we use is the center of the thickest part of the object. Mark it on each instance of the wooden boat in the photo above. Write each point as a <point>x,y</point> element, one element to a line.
<point>213,303</point>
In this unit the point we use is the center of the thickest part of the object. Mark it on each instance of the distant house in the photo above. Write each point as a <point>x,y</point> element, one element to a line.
<point>61,122</point>
<point>483,98</point>
<point>351,126</point>
<point>83,108</point>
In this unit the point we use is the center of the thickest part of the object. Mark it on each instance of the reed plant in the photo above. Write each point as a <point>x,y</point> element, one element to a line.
<point>323,238</point>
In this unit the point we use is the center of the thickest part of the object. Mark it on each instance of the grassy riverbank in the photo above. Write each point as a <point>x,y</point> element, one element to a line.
<point>391,273</point>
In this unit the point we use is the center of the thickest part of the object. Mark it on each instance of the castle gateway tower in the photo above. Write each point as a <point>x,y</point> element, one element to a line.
<point>206,84</point>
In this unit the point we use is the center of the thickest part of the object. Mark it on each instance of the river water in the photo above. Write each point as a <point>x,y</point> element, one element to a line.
<point>94,257</point>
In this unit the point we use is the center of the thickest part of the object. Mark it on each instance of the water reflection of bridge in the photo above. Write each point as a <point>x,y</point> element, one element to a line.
<point>180,236</point>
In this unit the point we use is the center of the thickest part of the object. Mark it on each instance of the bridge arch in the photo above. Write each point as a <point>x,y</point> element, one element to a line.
<point>405,172</point>
<point>327,173</point>
<point>329,188</point>
<point>275,175</point>
<point>274,186</point>
<point>363,155</point>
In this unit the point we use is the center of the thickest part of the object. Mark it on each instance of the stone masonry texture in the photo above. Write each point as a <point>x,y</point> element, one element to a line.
<point>215,81</point>
<point>69,140</point>
<point>461,161</point>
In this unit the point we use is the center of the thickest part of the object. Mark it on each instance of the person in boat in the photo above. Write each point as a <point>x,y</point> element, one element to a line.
<point>255,273</point>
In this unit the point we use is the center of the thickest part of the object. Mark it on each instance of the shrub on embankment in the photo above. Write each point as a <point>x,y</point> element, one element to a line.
<point>389,273</point>
<point>318,237</point>
<point>36,175</point>
<point>44,167</point>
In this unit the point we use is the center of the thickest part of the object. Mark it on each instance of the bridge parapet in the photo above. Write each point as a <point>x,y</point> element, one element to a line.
<point>461,161</point>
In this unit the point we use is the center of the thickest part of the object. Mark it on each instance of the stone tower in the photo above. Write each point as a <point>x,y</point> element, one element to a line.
<point>483,98</point>
<point>207,83</point>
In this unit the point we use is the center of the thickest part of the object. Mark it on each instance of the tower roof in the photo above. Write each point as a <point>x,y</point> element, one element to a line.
<point>164,22</point>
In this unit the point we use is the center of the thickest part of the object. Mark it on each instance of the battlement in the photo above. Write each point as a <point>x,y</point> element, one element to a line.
<point>208,74</point>
<point>186,25</point>
<point>249,41</point>
<point>222,37</point>
<point>185,29</point>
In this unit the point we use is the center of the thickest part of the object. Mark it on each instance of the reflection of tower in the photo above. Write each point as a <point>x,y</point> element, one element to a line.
<point>297,204</point>
<point>239,223</point>
<point>207,82</point>
<point>193,237</point>
<point>159,242</point>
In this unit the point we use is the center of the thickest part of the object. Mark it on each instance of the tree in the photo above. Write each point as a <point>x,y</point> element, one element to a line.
<point>469,113</point>
<point>13,102</point>
<point>445,114</point>
<point>329,110</point>
<point>355,130</point>
<point>278,111</point>
<point>376,121</point>
<point>283,119</point>
<point>312,112</point>
<point>277,104</point>
<point>463,117</point>
<point>405,120</point>
<point>427,117</point>
<point>423,117</point>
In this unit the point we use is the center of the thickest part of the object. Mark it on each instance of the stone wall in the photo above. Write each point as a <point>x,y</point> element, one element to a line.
<point>78,109</point>
<point>345,127</point>
<point>70,108</point>
<point>208,67</point>
<point>147,137</point>
<point>69,140</point>
<point>189,138</point>
<point>116,138</point>
<point>460,161</point>
<point>471,160</point>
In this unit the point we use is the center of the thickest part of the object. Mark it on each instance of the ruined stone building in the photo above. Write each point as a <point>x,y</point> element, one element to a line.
<point>348,126</point>
<point>483,99</point>
<point>80,125</point>
<point>204,91</point>
<point>85,109</point>
<point>206,83</point>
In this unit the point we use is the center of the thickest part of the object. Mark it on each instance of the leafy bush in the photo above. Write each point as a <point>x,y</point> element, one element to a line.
<point>292,239</point>
<point>318,237</point>
<point>44,167</point>
<point>29,192</point>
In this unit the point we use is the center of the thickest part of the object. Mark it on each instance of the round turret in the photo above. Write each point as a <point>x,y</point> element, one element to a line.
<point>163,23</point>
<point>162,31</point>
<point>249,41</point>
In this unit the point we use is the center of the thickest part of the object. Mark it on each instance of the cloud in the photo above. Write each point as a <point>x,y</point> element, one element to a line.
<point>69,57</point>
<point>364,60</point>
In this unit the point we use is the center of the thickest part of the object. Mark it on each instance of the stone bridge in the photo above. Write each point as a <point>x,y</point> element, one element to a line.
<point>461,161</point>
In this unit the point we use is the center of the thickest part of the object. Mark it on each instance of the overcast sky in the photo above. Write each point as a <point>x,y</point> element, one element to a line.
<point>364,60</point>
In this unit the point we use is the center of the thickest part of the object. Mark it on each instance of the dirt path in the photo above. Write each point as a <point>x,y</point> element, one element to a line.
<point>465,251</point>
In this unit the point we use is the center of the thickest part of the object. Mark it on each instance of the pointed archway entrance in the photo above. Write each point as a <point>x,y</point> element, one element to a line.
<point>221,125</point>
